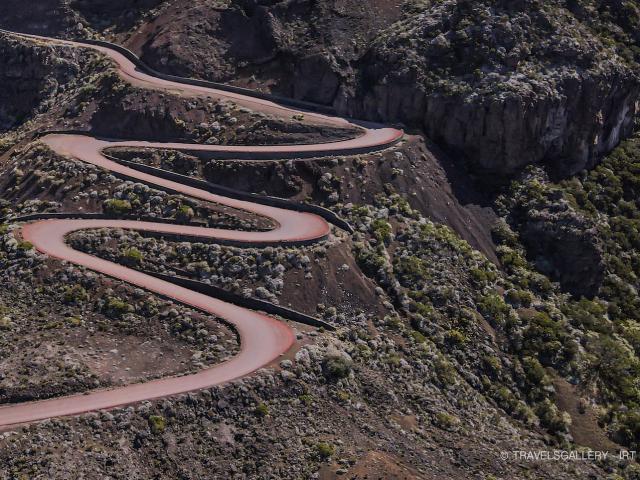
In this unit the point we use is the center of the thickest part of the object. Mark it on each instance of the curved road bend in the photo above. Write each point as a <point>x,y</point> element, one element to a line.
<point>262,338</point>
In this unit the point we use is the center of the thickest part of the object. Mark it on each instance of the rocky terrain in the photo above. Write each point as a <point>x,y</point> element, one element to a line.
<point>473,316</point>
<point>31,78</point>
<point>503,84</point>
<point>540,81</point>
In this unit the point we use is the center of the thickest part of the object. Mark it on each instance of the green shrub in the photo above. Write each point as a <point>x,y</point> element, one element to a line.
<point>631,333</point>
<point>628,427</point>
<point>6,143</point>
<point>262,410</point>
<point>5,323</point>
<point>493,364</point>
<point>550,416</point>
<point>544,338</point>
<point>75,294</point>
<point>116,207</point>
<point>587,314</point>
<point>325,450</point>
<point>503,235</point>
<point>394,322</point>
<point>185,213</point>
<point>86,92</point>
<point>74,321</point>
<point>115,307</point>
<point>157,423</point>
<point>412,272</point>
<point>540,283</point>
<point>445,371</point>
<point>370,261</point>
<point>493,308</point>
<point>482,276</point>
<point>132,256</point>
<point>505,398</point>
<point>381,230</point>
<point>618,368</point>
<point>520,297</point>
<point>417,336</point>
<point>393,359</point>
<point>24,246</point>
<point>535,372</point>
<point>336,366</point>
<point>455,337</point>
<point>511,259</point>
<point>342,395</point>
<point>446,421</point>
<point>426,311</point>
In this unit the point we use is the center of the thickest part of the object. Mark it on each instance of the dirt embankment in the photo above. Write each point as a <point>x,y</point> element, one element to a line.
<point>432,186</point>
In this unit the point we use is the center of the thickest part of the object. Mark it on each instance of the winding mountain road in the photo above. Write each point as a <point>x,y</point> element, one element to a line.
<point>262,338</point>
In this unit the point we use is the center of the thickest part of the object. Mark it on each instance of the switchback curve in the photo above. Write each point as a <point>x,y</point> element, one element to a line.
<point>262,338</point>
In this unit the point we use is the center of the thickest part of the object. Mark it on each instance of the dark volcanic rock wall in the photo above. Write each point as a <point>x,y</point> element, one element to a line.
<point>301,48</point>
<point>570,123</point>
<point>69,18</point>
<point>498,83</point>
<point>37,16</point>
<point>30,75</point>
<point>501,83</point>
<point>119,15</point>
<point>504,85</point>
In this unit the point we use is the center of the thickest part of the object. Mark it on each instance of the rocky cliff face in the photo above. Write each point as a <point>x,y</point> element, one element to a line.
<point>303,49</point>
<point>570,124</point>
<point>501,83</point>
<point>30,75</point>
<point>505,85</point>
<point>42,16</point>
<point>74,18</point>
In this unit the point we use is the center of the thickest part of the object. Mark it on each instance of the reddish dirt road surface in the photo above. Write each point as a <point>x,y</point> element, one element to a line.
<point>263,339</point>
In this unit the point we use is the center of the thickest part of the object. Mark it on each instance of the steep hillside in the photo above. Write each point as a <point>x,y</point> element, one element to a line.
<point>584,232</point>
<point>465,317</point>
<point>30,79</point>
<point>500,84</point>
<point>509,83</point>
<point>74,17</point>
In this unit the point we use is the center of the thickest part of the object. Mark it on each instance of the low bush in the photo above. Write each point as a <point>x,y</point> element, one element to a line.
<point>157,423</point>
<point>116,207</point>
<point>336,366</point>
<point>325,450</point>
